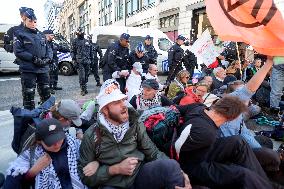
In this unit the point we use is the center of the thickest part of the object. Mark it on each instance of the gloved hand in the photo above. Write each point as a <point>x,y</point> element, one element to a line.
<point>40,62</point>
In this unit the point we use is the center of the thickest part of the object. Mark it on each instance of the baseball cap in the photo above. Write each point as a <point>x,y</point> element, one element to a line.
<point>138,67</point>
<point>181,37</point>
<point>50,131</point>
<point>109,92</point>
<point>47,32</point>
<point>125,36</point>
<point>151,83</point>
<point>70,109</point>
<point>148,37</point>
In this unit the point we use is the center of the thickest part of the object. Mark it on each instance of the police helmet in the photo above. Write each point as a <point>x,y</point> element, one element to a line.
<point>140,48</point>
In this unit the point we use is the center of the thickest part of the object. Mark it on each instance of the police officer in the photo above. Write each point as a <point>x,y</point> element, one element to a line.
<point>8,36</point>
<point>34,56</point>
<point>175,57</point>
<point>138,55</point>
<point>94,60</point>
<point>81,53</point>
<point>53,67</point>
<point>116,61</point>
<point>150,50</point>
<point>189,60</point>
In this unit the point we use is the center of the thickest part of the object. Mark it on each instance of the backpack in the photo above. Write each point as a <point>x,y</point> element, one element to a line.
<point>161,126</point>
<point>25,122</point>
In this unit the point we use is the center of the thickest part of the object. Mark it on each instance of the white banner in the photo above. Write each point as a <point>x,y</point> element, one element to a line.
<point>204,48</point>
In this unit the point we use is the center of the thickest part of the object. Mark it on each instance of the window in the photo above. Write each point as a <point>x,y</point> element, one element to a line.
<point>164,44</point>
<point>105,40</point>
<point>134,5</point>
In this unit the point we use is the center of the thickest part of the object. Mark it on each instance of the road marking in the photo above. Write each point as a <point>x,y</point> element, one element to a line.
<point>10,79</point>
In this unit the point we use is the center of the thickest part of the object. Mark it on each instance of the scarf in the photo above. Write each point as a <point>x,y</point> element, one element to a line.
<point>144,104</point>
<point>47,178</point>
<point>118,131</point>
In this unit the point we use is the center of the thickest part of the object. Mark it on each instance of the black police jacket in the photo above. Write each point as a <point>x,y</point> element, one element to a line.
<point>95,51</point>
<point>144,60</point>
<point>81,51</point>
<point>117,58</point>
<point>151,53</point>
<point>9,37</point>
<point>190,60</point>
<point>175,55</point>
<point>29,44</point>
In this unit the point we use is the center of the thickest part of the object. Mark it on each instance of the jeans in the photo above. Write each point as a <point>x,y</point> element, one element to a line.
<point>157,174</point>
<point>277,84</point>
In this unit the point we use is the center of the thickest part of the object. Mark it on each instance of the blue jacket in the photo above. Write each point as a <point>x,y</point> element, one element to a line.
<point>29,44</point>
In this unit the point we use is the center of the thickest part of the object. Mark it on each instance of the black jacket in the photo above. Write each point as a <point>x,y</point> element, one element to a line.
<point>9,37</point>
<point>144,60</point>
<point>28,45</point>
<point>81,51</point>
<point>151,53</point>
<point>175,55</point>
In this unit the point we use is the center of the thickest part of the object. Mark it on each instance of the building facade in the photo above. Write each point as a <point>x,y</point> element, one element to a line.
<point>51,11</point>
<point>186,17</point>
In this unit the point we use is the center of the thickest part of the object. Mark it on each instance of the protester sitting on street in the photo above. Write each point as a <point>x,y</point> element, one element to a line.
<point>133,82</point>
<point>253,68</point>
<point>117,153</point>
<point>51,162</point>
<point>219,76</point>
<point>149,96</point>
<point>153,74</point>
<point>198,93</point>
<point>217,163</point>
<point>234,69</point>
<point>179,84</point>
<point>209,81</point>
<point>269,159</point>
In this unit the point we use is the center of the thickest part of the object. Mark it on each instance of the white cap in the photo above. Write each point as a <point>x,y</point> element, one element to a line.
<point>109,92</point>
<point>138,67</point>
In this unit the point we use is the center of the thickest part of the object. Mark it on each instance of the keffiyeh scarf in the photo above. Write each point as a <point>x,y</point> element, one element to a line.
<point>118,131</point>
<point>143,104</point>
<point>48,178</point>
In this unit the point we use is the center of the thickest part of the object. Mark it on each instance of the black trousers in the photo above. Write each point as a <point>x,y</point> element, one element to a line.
<point>173,71</point>
<point>30,81</point>
<point>53,75</point>
<point>95,69</point>
<point>230,164</point>
<point>83,71</point>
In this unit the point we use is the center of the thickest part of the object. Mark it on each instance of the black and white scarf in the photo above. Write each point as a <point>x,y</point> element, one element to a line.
<point>118,131</point>
<point>144,104</point>
<point>47,178</point>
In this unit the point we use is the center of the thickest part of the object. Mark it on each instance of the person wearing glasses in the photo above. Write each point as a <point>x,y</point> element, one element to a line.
<point>34,56</point>
<point>116,61</point>
<point>179,84</point>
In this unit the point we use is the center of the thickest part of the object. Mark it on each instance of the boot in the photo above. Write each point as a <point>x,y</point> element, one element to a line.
<point>51,88</point>
<point>55,87</point>
<point>83,90</point>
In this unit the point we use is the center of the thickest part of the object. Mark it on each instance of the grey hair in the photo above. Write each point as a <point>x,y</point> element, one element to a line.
<point>151,66</point>
<point>216,70</point>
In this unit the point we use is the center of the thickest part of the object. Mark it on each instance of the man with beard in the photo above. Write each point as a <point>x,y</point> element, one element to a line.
<point>117,152</point>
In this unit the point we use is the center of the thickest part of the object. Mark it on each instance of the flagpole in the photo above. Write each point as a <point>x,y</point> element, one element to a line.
<point>238,53</point>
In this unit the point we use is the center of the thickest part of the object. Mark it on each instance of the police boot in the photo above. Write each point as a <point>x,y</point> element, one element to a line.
<point>55,87</point>
<point>85,88</point>
<point>28,98</point>
<point>44,93</point>
<point>98,84</point>
<point>51,89</point>
<point>83,92</point>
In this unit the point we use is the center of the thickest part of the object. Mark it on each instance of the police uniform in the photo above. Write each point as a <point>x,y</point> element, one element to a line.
<point>34,55</point>
<point>117,59</point>
<point>53,67</point>
<point>81,53</point>
<point>190,62</point>
<point>150,52</point>
<point>94,60</point>
<point>175,57</point>
<point>144,60</point>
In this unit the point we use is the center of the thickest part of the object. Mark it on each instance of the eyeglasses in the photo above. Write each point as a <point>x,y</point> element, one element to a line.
<point>187,77</point>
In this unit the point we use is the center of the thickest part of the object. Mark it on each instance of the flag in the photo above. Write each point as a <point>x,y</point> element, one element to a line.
<point>255,22</point>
